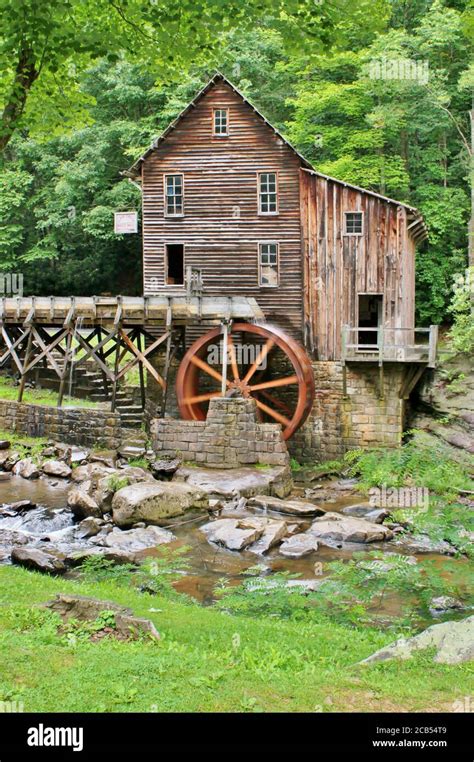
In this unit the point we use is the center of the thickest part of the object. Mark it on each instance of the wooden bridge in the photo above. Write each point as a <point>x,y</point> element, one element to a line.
<point>63,333</point>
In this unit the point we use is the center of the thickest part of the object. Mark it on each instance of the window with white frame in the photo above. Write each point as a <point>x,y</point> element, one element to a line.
<point>267,193</point>
<point>353,223</point>
<point>268,264</point>
<point>174,197</point>
<point>221,121</point>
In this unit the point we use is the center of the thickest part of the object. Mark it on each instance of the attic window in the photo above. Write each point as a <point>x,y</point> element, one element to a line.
<point>174,197</point>
<point>221,122</point>
<point>353,223</point>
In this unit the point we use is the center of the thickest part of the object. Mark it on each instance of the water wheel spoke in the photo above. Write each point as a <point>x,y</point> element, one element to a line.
<point>206,368</point>
<point>273,413</point>
<point>269,344</point>
<point>279,404</point>
<point>276,382</point>
<point>201,398</point>
<point>233,359</point>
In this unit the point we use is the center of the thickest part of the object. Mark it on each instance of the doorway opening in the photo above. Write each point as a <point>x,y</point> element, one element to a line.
<point>174,264</point>
<point>370,316</point>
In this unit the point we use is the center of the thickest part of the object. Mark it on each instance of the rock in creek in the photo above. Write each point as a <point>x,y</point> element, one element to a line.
<point>165,467</point>
<point>56,468</point>
<point>138,539</point>
<point>272,534</point>
<point>40,560</point>
<point>245,481</point>
<point>82,504</point>
<point>26,468</point>
<point>294,507</point>
<point>228,532</point>
<point>153,502</point>
<point>421,543</point>
<point>453,641</point>
<point>299,545</point>
<point>366,511</point>
<point>5,444</point>
<point>106,458</point>
<point>341,529</point>
<point>444,603</point>
<point>84,609</point>
<point>22,505</point>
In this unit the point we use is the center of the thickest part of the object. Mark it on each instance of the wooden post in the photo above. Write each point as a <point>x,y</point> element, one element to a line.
<point>25,364</point>
<point>433,346</point>
<point>100,353</point>
<point>225,348</point>
<point>380,336</point>
<point>116,370</point>
<point>140,370</point>
<point>67,359</point>
<point>166,371</point>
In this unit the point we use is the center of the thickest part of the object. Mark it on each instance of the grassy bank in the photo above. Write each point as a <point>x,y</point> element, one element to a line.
<point>9,391</point>
<point>205,661</point>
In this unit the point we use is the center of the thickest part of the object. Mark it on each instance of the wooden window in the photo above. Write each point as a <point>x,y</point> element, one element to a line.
<point>353,223</point>
<point>174,264</point>
<point>267,193</point>
<point>221,122</point>
<point>174,195</point>
<point>268,265</point>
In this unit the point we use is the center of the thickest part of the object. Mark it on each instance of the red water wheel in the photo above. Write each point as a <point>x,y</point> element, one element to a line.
<point>261,362</point>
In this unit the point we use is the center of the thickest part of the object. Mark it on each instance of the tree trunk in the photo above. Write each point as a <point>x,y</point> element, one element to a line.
<point>25,75</point>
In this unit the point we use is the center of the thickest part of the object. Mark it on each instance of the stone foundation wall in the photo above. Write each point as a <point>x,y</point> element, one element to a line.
<point>81,426</point>
<point>362,419</point>
<point>230,437</point>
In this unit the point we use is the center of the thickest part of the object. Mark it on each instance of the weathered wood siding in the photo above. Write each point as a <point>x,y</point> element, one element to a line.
<point>337,268</point>
<point>220,182</point>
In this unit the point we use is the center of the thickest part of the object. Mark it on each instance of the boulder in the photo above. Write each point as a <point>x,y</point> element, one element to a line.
<point>5,444</point>
<point>164,467</point>
<point>298,545</point>
<point>106,458</point>
<point>138,539</point>
<point>5,476</point>
<point>26,468</point>
<point>244,481</point>
<point>78,455</point>
<point>229,533</point>
<point>10,460</point>
<point>453,641</point>
<point>56,468</point>
<point>22,505</point>
<point>421,543</point>
<point>348,530</point>
<point>273,533</point>
<point>366,511</point>
<point>85,473</point>
<point>82,504</point>
<point>296,507</point>
<point>154,502</point>
<point>84,609</point>
<point>9,537</point>
<point>89,527</point>
<point>40,560</point>
<point>444,603</point>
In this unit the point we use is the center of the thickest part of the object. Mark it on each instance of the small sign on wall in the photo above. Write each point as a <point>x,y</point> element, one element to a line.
<point>125,222</point>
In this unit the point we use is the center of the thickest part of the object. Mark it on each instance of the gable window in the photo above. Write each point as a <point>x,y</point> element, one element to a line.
<point>353,223</point>
<point>267,193</point>
<point>268,264</point>
<point>174,196</point>
<point>221,121</point>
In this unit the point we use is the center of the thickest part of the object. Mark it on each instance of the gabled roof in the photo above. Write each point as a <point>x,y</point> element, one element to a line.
<point>418,227</point>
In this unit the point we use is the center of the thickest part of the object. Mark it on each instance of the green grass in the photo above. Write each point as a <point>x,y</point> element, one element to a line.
<point>205,661</point>
<point>9,391</point>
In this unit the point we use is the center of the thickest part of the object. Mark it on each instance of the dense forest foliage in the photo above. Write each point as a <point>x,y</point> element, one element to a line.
<point>338,97</point>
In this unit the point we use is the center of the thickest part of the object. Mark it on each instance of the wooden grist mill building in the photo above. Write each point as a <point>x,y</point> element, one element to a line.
<point>232,209</point>
<point>262,278</point>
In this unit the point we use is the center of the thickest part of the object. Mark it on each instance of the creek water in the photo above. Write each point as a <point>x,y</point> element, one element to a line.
<point>208,564</point>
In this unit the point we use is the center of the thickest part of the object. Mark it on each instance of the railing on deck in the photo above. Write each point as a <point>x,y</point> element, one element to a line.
<point>382,344</point>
